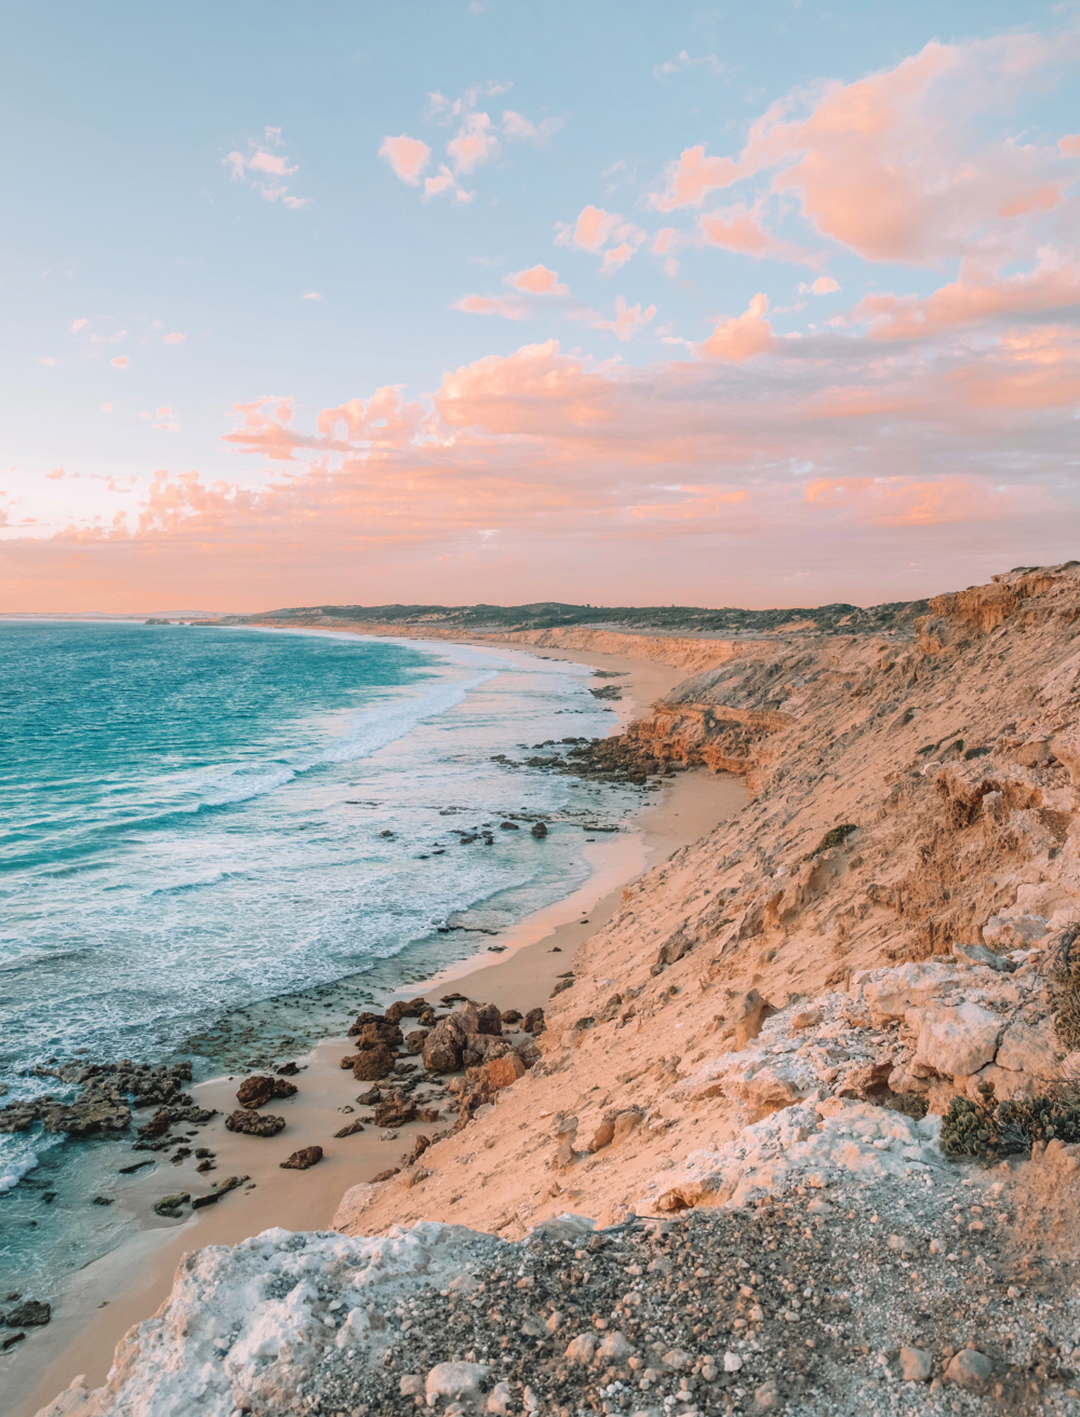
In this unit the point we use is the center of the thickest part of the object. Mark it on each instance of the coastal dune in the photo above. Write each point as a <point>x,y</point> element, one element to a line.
<point>748,1171</point>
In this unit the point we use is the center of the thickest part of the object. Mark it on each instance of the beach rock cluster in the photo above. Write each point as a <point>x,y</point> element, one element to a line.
<point>107,1094</point>
<point>258,1090</point>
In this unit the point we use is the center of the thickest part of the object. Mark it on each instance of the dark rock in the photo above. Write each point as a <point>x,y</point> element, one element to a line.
<point>221,1188</point>
<point>489,1019</point>
<point>414,1042</point>
<point>11,1341</point>
<point>374,1063</point>
<point>303,1159</point>
<point>511,1016</point>
<point>562,985</point>
<point>413,1009</point>
<point>170,1206</point>
<point>539,830</point>
<point>254,1124</point>
<point>385,1175</point>
<point>287,1070</point>
<point>351,1129</point>
<point>482,1048</point>
<point>371,1098</point>
<point>256,1091</point>
<point>395,1112</point>
<point>136,1166</point>
<point>534,1021</point>
<point>380,1032</point>
<point>103,1200</point>
<point>509,826</point>
<point>31,1313</point>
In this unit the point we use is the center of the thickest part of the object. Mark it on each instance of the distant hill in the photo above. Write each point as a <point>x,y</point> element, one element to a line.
<point>838,619</point>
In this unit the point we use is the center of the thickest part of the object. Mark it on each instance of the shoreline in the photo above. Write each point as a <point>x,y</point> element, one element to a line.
<point>126,1285</point>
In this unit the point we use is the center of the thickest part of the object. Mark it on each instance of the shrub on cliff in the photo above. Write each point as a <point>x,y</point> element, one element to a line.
<point>991,1129</point>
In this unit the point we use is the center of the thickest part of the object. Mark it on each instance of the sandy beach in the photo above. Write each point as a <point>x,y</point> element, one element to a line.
<point>128,1284</point>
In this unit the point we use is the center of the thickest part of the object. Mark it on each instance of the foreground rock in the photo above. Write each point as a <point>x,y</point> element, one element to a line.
<point>842,1301</point>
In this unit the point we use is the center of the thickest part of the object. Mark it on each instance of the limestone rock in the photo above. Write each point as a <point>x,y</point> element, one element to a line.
<point>754,1012</point>
<point>1031,1048</point>
<point>957,1040</point>
<point>455,1382</point>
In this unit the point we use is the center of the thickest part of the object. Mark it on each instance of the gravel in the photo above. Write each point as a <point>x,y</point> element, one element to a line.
<point>812,1305</point>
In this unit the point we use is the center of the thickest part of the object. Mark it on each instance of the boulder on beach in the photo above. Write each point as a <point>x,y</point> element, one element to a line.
<point>534,1021</point>
<point>303,1159</point>
<point>413,1009</point>
<point>445,1044</point>
<point>489,1019</point>
<point>254,1124</point>
<point>373,1064</point>
<point>259,1089</point>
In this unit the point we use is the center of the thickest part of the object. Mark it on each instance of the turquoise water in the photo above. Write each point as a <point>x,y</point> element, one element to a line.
<point>192,823</point>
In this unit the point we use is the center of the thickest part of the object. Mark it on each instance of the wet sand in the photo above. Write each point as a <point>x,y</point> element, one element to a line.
<point>128,1285</point>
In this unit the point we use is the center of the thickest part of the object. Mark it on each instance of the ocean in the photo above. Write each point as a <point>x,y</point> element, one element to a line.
<point>216,843</point>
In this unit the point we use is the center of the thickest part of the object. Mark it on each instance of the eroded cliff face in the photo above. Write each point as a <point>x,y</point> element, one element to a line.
<point>952,772</point>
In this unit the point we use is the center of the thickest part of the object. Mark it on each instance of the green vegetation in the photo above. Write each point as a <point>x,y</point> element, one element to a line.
<point>836,836</point>
<point>991,1129</point>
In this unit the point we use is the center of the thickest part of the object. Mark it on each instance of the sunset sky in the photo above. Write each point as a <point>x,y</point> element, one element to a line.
<point>618,302</point>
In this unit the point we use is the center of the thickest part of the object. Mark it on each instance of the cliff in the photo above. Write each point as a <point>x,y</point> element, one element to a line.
<point>791,1028</point>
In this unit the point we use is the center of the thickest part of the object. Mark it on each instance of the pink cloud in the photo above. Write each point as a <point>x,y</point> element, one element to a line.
<point>743,337</point>
<point>537,280</point>
<point>693,177</point>
<point>515,126</point>
<point>407,157</point>
<point>617,256</point>
<point>1069,146</point>
<point>78,325</point>
<point>57,475</point>
<point>591,230</point>
<point>506,306</point>
<point>311,295</point>
<point>264,169</point>
<point>741,230</point>
<point>175,338</point>
<point>967,301</point>
<point>824,285</point>
<point>120,362</point>
<point>474,143</point>
<point>897,166</point>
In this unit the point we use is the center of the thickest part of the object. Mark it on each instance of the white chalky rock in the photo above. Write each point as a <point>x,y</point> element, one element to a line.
<point>890,993</point>
<point>1031,1048</point>
<point>455,1381</point>
<point>732,1362</point>
<point>955,1041</point>
<point>798,1145</point>
<point>246,1322</point>
<point>501,1400</point>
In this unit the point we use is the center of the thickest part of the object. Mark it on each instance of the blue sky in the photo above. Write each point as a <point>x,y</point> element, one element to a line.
<point>126,212</point>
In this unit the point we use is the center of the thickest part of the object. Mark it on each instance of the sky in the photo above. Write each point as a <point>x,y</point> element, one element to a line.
<point>617,303</point>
